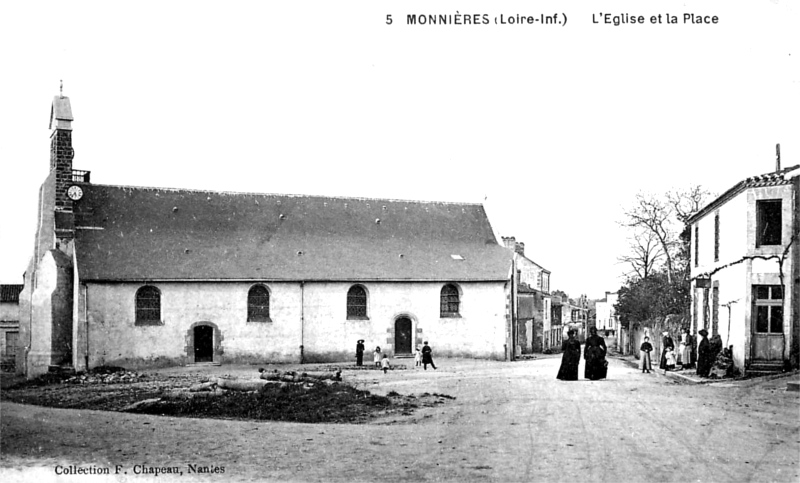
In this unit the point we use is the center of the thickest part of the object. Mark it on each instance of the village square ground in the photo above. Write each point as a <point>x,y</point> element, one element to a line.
<point>508,422</point>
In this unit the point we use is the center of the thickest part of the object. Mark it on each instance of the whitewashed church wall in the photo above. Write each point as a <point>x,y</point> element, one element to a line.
<point>478,332</point>
<point>321,326</point>
<point>116,339</point>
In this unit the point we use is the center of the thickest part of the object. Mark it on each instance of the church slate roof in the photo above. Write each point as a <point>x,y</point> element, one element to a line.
<point>151,234</point>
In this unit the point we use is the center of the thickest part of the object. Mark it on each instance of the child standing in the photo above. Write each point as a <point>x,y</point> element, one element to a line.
<point>644,355</point>
<point>385,363</point>
<point>670,360</point>
<point>417,358</point>
<point>376,356</point>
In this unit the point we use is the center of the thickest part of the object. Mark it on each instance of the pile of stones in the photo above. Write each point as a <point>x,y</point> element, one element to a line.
<point>108,378</point>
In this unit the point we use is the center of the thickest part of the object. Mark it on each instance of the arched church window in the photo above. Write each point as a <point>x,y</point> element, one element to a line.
<point>357,302</point>
<point>450,301</point>
<point>148,305</point>
<point>258,304</point>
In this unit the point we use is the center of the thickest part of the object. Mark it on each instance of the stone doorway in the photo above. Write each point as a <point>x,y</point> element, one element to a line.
<point>204,343</point>
<point>402,336</point>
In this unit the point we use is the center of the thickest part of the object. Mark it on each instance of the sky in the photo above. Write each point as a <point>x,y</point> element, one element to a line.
<point>554,128</point>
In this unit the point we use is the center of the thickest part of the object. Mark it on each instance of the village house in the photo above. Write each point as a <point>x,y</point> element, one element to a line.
<point>556,333</point>
<point>578,316</point>
<point>745,271</point>
<point>567,314</point>
<point>143,277</point>
<point>607,321</point>
<point>9,326</point>
<point>531,300</point>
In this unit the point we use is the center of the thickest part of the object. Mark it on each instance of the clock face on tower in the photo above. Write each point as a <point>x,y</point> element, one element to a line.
<point>75,192</point>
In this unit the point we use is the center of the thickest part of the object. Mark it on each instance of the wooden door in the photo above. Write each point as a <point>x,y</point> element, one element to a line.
<point>768,340</point>
<point>402,336</point>
<point>204,343</point>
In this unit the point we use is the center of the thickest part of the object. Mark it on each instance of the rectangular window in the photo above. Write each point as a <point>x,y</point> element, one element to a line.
<point>768,308</point>
<point>768,222</point>
<point>696,245</point>
<point>715,309</point>
<point>11,343</point>
<point>716,237</point>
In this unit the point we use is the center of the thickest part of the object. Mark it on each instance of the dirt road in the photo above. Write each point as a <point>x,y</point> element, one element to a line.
<point>509,422</point>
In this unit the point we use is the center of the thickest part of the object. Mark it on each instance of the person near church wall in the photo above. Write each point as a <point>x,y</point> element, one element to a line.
<point>360,352</point>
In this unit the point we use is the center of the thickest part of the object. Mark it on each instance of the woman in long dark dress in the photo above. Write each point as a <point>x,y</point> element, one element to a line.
<point>426,356</point>
<point>595,355</point>
<point>704,358</point>
<point>570,359</point>
<point>666,344</point>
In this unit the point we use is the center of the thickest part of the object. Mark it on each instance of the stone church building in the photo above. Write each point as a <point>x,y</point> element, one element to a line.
<point>146,277</point>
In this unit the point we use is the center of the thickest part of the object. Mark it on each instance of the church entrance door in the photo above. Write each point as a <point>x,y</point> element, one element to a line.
<point>402,336</point>
<point>204,343</point>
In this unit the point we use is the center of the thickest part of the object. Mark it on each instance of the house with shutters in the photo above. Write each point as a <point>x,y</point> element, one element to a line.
<point>531,301</point>
<point>143,277</point>
<point>607,320</point>
<point>745,272</point>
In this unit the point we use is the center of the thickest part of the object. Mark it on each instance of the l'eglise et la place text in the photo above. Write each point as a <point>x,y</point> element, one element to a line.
<point>139,470</point>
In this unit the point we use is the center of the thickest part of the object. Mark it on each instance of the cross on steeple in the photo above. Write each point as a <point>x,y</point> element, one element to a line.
<point>61,88</point>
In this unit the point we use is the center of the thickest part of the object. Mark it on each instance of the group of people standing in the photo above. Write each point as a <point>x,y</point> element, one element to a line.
<point>381,359</point>
<point>670,357</point>
<point>683,355</point>
<point>596,366</point>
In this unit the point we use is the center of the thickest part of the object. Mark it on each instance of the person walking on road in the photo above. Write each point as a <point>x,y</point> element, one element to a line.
<point>376,356</point>
<point>644,356</point>
<point>570,359</point>
<point>595,355</point>
<point>426,356</point>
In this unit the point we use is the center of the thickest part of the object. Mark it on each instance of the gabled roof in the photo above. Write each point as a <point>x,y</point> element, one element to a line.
<point>150,234</point>
<point>775,178</point>
<point>10,293</point>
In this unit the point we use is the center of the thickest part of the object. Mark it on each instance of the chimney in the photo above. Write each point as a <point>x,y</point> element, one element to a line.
<point>777,158</point>
<point>509,242</point>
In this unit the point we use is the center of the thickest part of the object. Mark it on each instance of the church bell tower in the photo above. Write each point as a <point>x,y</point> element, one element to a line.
<point>61,154</point>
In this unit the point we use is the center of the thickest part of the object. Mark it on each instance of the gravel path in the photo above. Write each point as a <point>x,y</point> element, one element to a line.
<point>509,421</point>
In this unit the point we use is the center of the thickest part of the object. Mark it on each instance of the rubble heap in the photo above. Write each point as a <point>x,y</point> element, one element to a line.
<point>120,377</point>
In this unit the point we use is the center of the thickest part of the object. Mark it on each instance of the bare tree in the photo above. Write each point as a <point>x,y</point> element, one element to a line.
<point>687,202</point>
<point>664,218</point>
<point>645,252</point>
<point>654,215</point>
